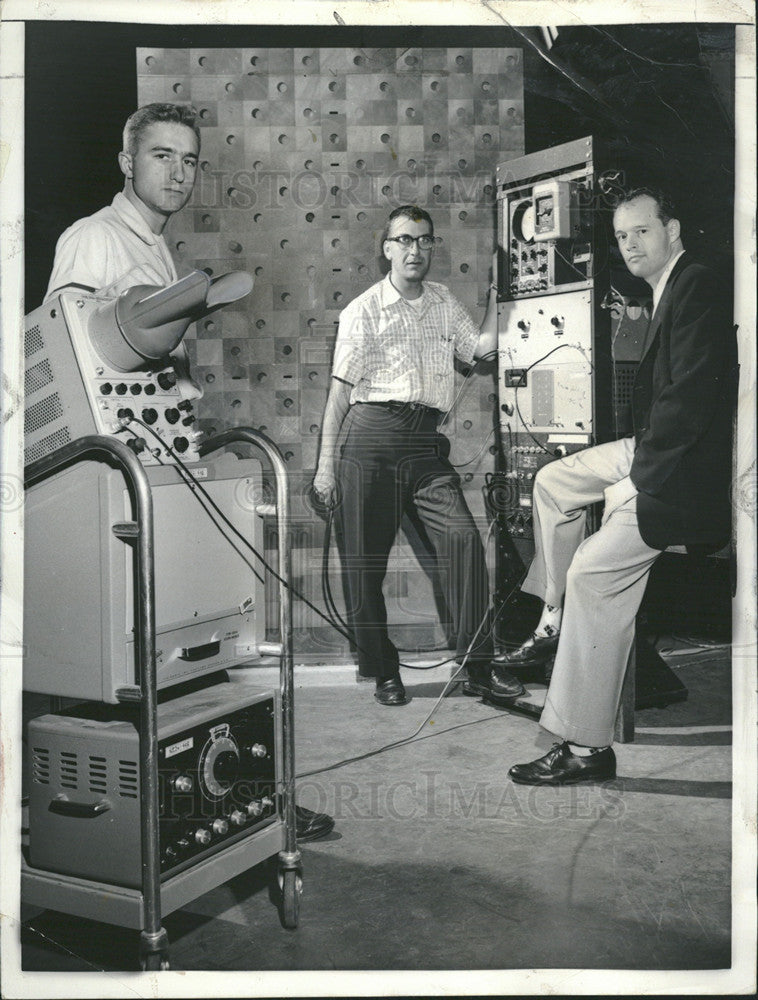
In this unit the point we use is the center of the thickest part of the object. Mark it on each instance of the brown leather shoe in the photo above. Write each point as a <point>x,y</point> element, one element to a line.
<point>560,766</point>
<point>391,691</point>
<point>536,650</point>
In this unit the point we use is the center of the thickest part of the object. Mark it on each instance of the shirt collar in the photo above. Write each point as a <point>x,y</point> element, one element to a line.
<point>131,217</point>
<point>390,294</point>
<point>658,290</point>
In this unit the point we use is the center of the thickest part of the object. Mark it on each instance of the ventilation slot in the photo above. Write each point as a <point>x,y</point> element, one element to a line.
<point>43,413</point>
<point>69,767</point>
<point>127,779</point>
<point>33,341</point>
<point>623,382</point>
<point>41,448</point>
<point>37,377</point>
<point>98,775</point>
<point>41,765</point>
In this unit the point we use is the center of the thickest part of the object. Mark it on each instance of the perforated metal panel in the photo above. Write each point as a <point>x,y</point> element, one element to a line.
<point>46,411</point>
<point>305,151</point>
<point>46,445</point>
<point>37,377</point>
<point>33,341</point>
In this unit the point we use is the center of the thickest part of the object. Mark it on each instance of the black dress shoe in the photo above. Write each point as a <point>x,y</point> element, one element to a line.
<point>390,691</point>
<point>311,825</point>
<point>492,683</point>
<point>560,766</point>
<point>536,650</point>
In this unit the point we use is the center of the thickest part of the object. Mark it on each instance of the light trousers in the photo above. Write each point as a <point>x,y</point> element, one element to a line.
<point>600,579</point>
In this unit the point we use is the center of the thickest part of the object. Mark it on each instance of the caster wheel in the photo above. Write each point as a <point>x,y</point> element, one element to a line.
<point>291,884</point>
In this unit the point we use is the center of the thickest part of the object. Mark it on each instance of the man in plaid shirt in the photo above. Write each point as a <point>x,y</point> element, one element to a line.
<point>392,381</point>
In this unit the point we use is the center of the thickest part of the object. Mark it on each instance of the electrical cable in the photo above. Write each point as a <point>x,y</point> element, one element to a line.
<point>206,503</point>
<point>406,739</point>
<point>331,605</point>
<point>576,347</point>
<point>196,487</point>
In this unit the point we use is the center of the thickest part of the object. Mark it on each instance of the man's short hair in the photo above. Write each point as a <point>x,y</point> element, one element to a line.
<point>664,206</point>
<point>149,114</point>
<point>412,212</point>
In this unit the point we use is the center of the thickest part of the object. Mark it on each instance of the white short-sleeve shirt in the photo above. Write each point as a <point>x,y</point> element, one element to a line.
<point>390,348</point>
<point>114,249</point>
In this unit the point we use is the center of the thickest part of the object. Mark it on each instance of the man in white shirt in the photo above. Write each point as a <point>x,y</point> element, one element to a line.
<point>667,485</point>
<point>122,245</point>
<point>392,381</point>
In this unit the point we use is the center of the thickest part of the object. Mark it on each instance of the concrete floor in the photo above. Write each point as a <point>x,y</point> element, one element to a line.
<point>439,862</point>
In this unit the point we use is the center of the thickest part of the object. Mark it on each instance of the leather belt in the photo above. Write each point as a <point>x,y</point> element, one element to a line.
<point>397,407</point>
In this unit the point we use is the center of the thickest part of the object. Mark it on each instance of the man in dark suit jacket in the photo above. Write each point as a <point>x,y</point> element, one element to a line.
<point>668,485</point>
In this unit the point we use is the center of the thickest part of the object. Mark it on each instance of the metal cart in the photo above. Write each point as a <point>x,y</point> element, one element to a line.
<point>142,909</point>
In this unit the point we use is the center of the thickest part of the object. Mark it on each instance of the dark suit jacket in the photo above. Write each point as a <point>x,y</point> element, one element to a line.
<point>682,405</point>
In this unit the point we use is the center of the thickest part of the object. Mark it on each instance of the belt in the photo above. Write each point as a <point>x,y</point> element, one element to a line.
<point>397,407</point>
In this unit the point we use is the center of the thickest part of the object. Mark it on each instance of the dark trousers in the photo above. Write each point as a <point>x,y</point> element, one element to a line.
<point>392,461</point>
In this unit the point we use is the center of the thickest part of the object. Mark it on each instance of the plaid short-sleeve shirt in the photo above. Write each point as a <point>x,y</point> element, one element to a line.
<point>391,349</point>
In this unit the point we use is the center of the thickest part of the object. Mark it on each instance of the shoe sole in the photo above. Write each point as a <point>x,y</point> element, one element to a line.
<point>563,781</point>
<point>472,690</point>
<point>391,704</point>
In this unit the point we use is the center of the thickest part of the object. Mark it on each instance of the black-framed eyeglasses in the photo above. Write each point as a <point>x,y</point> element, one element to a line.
<point>425,242</point>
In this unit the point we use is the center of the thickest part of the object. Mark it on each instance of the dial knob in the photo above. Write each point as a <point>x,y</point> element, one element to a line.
<point>238,818</point>
<point>149,415</point>
<point>220,826</point>
<point>258,750</point>
<point>255,808</point>
<point>202,836</point>
<point>135,389</point>
<point>182,783</point>
<point>166,380</point>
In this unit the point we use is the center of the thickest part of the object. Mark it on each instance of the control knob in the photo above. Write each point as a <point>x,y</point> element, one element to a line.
<point>166,380</point>
<point>255,808</point>
<point>182,783</point>
<point>238,818</point>
<point>220,826</point>
<point>258,750</point>
<point>202,836</point>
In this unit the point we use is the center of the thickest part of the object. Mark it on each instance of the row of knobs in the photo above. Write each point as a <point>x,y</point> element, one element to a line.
<point>166,381</point>
<point>202,836</point>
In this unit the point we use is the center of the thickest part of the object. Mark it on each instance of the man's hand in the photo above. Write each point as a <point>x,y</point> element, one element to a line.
<point>325,487</point>
<point>617,494</point>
